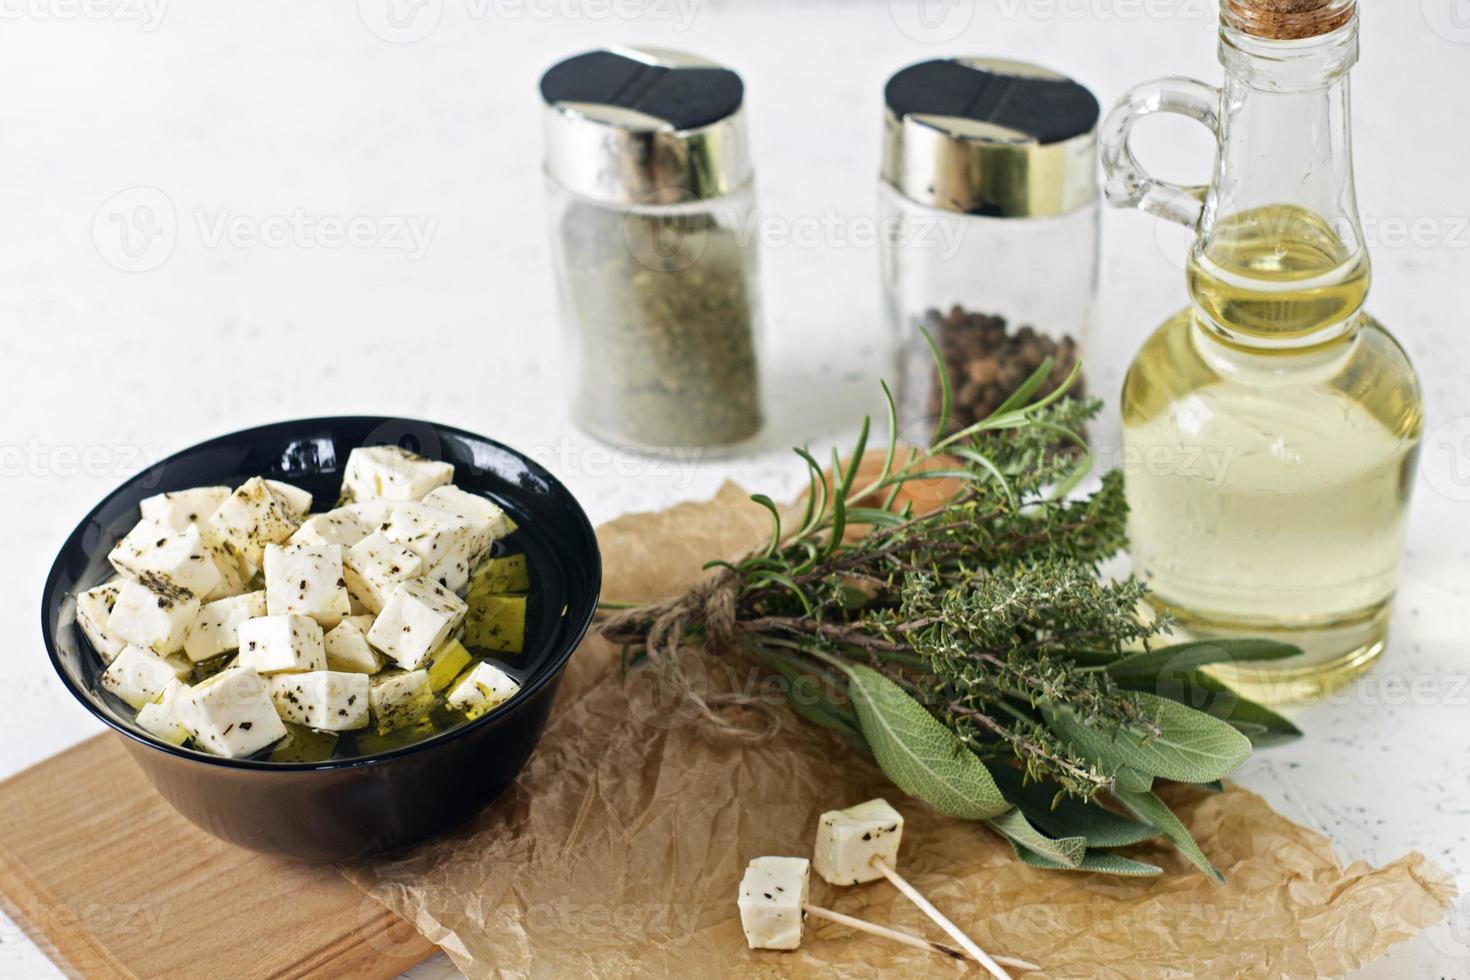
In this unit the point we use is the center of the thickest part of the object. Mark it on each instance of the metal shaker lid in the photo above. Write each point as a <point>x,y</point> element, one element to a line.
<point>990,136</point>
<point>645,126</point>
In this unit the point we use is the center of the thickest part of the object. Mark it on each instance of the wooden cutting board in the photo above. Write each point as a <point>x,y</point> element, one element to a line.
<point>109,881</point>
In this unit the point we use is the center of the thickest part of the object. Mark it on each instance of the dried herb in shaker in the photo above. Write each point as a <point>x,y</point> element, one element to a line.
<point>667,325</point>
<point>648,178</point>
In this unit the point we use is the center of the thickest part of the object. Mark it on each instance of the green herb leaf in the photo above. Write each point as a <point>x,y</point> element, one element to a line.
<point>1200,691</point>
<point>1101,862</point>
<point>1132,779</point>
<point>1191,747</point>
<point>818,709</point>
<point>1144,668</point>
<point>1061,815</point>
<point>921,756</point>
<point>1014,826</point>
<point>1147,806</point>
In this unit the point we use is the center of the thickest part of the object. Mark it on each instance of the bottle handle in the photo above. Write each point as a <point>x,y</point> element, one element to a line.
<point>1126,183</point>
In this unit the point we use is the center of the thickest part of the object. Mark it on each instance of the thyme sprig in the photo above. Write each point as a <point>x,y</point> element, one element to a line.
<point>948,615</point>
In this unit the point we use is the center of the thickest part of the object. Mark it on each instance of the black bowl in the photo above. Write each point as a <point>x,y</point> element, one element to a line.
<point>347,808</point>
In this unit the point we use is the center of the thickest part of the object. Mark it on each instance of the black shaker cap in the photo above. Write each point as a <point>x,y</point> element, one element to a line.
<point>684,96</point>
<point>1049,108</point>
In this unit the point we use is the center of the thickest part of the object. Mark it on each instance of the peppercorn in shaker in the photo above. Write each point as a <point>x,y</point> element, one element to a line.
<point>990,214</point>
<point>649,185</point>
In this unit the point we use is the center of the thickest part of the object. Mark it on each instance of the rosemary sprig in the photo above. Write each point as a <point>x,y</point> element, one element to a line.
<point>972,648</point>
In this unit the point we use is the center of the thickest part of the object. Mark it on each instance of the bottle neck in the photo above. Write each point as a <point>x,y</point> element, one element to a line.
<point>1279,261</point>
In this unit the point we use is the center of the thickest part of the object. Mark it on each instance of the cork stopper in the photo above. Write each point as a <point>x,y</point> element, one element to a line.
<point>1287,20</point>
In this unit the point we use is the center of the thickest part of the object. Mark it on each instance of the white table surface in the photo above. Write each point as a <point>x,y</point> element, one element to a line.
<point>243,115</point>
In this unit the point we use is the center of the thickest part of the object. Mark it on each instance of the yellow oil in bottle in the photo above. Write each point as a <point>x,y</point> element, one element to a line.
<point>1270,436</point>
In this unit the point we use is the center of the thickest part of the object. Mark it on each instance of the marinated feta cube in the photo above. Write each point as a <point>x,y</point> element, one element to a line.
<point>447,664</point>
<point>392,473</point>
<point>297,499</point>
<point>374,567</point>
<point>341,526</point>
<point>416,621</point>
<point>234,574</point>
<point>138,675</point>
<point>399,700</point>
<point>307,579</point>
<point>327,700</point>
<point>496,622</point>
<point>282,644</point>
<point>481,689</point>
<point>434,535</point>
<point>254,516</point>
<point>216,629</point>
<point>348,648</point>
<point>158,556</point>
<point>498,576</point>
<point>848,840</point>
<point>372,513</point>
<point>772,894</point>
<point>179,509</point>
<point>93,608</point>
<point>231,713</point>
<point>154,617</point>
<point>486,520</point>
<point>161,718</point>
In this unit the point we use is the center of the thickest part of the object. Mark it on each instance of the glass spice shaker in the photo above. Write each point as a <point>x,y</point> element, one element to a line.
<point>989,208</point>
<point>650,195</point>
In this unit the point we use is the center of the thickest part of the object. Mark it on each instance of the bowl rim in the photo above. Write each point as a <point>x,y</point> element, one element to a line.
<point>581,621</point>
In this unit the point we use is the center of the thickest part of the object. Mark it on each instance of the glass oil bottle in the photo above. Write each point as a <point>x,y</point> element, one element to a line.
<point>1271,428</point>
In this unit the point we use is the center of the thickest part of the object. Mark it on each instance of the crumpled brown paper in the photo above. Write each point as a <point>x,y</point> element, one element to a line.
<point>619,848</point>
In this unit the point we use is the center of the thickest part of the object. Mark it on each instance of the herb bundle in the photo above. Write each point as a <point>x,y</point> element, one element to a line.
<point>973,648</point>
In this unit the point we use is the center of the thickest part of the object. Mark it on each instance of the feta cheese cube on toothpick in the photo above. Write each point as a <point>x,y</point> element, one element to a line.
<point>374,567</point>
<point>341,526</point>
<point>861,844</point>
<point>417,619</point>
<point>159,556</point>
<point>399,700</point>
<point>482,688</point>
<point>231,713</point>
<point>392,473</point>
<point>848,840</point>
<point>282,644</point>
<point>139,675</point>
<point>180,508</point>
<point>348,648</point>
<point>93,608</point>
<point>327,700</point>
<point>307,579</point>
<point>773,894</point>
<point>154,617</point>
<point>254,516</point>
<point>215,629</point>
<point>161,718</point>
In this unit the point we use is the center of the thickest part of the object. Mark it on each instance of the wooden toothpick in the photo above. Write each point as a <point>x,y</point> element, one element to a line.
<point>907,939</point>
<point>955,932</point>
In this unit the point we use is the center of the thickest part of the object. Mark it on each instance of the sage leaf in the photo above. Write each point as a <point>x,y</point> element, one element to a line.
<point>1014,826</point>
<point>1191,746</point>
<point>1200,691</point>
<point>1144,668</point>
<point>818,709</point>
<point>1147,806</point>
<point>922,757</point>
<point>1133,780</point>
<point>1061,815</point>
<point>1101,862</point>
